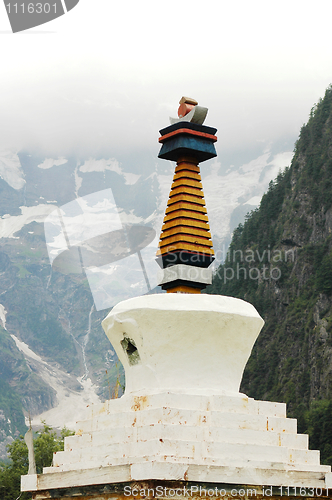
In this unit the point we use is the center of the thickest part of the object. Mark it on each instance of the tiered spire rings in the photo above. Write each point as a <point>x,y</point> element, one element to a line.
<point>185,248</point>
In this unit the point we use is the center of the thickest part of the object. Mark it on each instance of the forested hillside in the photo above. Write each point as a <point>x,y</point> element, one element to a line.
<point>280,260</point>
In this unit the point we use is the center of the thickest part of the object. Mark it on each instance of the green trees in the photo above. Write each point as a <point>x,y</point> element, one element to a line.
<point>45,444</point>
<point>319,427</point>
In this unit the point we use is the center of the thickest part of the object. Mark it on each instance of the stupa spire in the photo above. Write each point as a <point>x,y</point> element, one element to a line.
<point>185,248</point>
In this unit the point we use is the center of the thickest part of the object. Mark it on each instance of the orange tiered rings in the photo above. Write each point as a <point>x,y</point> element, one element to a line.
<point>185,248</point>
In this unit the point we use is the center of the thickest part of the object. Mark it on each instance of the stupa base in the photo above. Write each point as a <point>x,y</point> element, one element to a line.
<point>197,440</point>
<point>200,431</point>
<point>121,482</point>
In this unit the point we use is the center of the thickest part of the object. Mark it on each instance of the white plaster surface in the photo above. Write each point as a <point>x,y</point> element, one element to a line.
<point>185,272</point>
<point>187,437</point>
<point>208,433</point>
<point>187,343</point>
<point>328,480</point>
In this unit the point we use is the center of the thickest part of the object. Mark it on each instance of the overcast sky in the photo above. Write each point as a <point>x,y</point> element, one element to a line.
<point>105,77</point>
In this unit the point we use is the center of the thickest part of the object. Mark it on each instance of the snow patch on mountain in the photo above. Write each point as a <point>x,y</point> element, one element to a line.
<point>49,163</point>
<point>11,169</point>
<point>78,182</point>
<point>130,218</point>
<point>276,165</point>
<point>25,349</point>
<point>3,313</point>
<point>72,403</point>
<point>130,178</point>
<point>255,200</point>
<point>111,164</point>
<point>165,182</point>
<point>256,165</point>
<point>10,224</point>
<point>92,165</point>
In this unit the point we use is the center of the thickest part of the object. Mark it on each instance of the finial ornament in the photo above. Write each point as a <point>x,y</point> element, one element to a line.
<point>189,111</point>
